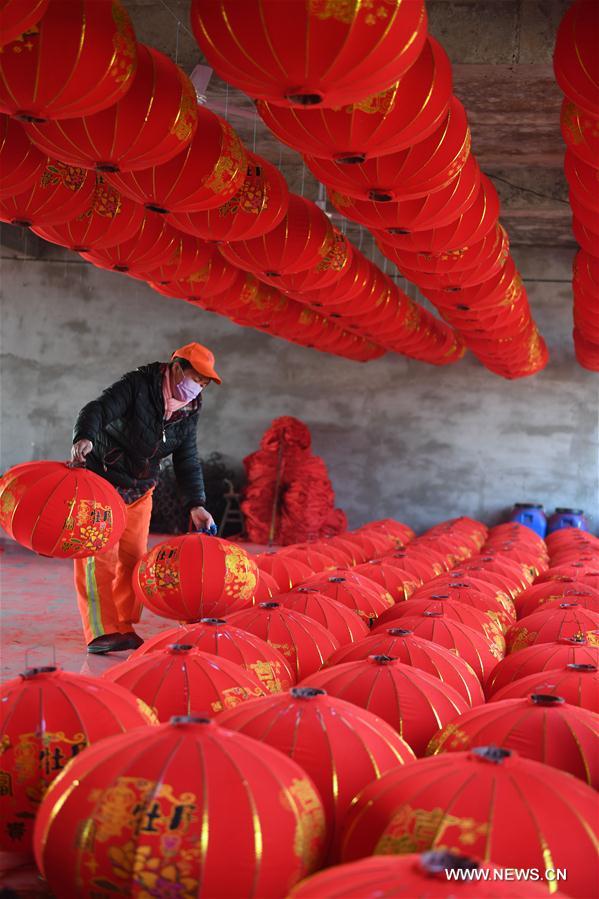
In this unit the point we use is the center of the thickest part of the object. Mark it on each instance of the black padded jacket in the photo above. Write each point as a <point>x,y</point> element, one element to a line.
<point>130,436</point>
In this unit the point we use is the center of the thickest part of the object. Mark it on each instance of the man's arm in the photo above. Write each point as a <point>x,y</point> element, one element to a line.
<point>113,403</point>
<point>190,478</point>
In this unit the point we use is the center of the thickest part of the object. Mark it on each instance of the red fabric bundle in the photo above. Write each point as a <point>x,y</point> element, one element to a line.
<point>289,497</point>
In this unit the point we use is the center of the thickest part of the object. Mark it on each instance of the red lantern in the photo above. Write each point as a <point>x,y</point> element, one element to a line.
<point>361,594</point>
<point>17,16</point>
<point>59,193</point>
<point>402,115</point>
<point>338,556</point>
<point>498,605</point>
<point>304,642</point>
<point>413,876</point>
<point>402,645</point>
<point>207,173</point>
<point>60,511</point>
<point>21,163</point>
<point>333,265</point>
<point>216,278</point>
<point>195,576</point>
<point>345,624</point>
<point>582,572</point>
<point>407,698</point>
<point>109,219</point>
<point>164,783</point>
<point>569,620</point>
<point>576,683</point>
<point>468,644</point>
<point>468,614</point>
<point>583,180</point>
<point>154,121</point>
<point>299,241</point>
<point>151,246</point>
<point>511,810</point>
<point>375,545</point>
<point>216,636</point>
<point>256,208</point>
<point>80,58</point>
<point>338,55</point>
<point>496,245</point>
<point>422,168</point>
<point>47,717</point>
<point>190,255</point>
<point>181,680</point>
<point>540,726</point>
<point>266,587</point>
<point>286,570</point>
<point>548,596</point>
<point>313,558</point>
<point>504,567</point>
<point>419,566</point>
<point>539,658</point>
<point>400,584</point>
<point>339,745</point>
<point>580,131</point>
<point>575,59</point>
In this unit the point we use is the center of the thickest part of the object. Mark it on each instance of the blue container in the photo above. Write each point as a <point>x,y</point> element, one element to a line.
<point>567,518</point>
<point>531,516</point>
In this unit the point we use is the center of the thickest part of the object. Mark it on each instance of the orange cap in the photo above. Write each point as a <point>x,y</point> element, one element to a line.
<point>201,359</point>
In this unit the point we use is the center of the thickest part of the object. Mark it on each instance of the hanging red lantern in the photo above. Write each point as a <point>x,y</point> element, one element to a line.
<point>299,241</point>
<point>345,624</point>
<point>576,683</point>
<point>541,657</point>
<point>341,746</point>
<point>181,680</point>
<point>21,163</point>
<point>18,16</point>
<point>59,193</point>
<point>207,173</point>
<point>569,620</point>
<point>153,244</point>
<point>304,642</point>
<point>420,169</point>
<point>352,281</point>
<point>338,55</point>
<point>60,511</point>
<point>354,591</point>
<point>286,570</point>
<point>216,636</point>
<point>491,800</point>
<point>587,352</point>
<point>407,698</point>
<point>399,116</point>
<point>190,255</point>
<point>397,582</point>
<point>468,614</point>
<point>152,846</point>
<point>47,717</point>
<point>216,278</point>
<point>257,207</point>
<point>580,131</point>
<point>154,121</point>
<point>403,645</point>
<point>109,219</point>
<point>505,285</point>
<point>455,263</point>
<point>195,576</point>
<point>583,180</point>
<point>333,265</point>
<point>539,726</point>
<point>575,60</point>
<point>78,59</point>
<point>414,876</point>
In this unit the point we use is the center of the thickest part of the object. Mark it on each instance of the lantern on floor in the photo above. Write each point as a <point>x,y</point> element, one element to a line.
<point>490,800</point>
<point>299,241</point>
<point>207,173</point>
<point>470,590</point>
<point>359,593</point>
<point>256,208</point>
<point>339,745</point>
<point>407,698</point>
<point>576,683</point>
<point>47,717</point>
<point>568,620</point>
<point>60,511</point>
<point>338,54</point>
<point>154,121</point>
<point>21,163</point>
<point>313,558</point>
<point>153,244</point>
<point>266,587</point>
<point>109,219</point>
<point>160,786</point>
<point>304,643</point>
<point>542,657</point>
<point>397,582</point>
<point>575,61</point>
<point>399,116</point>
<point>468,614</point>
<point>286,570</point>
<point>195,576</point>
<point>18,16</point>
<point>344,623</point>
<point>59,193</point>
<point>540,726</point>
<point>216,636</point>
<point>78,59</point>
<point>181,680</point>
<point>408,649</point>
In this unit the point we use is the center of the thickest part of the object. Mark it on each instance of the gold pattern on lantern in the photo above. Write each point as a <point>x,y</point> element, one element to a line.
<point>59,173</point>
<point>89,528</point>
<point>125,52</point>
<point>252,197</point>
<point>336,259</point>
<point>310,827</point>
<point>240,575</point>
<point>182,127</point>
<point>234,696</point>
<point>269,675</point>
<point>153,875</point>
<point>23,41</point>
<point>523,639</point>
<point>232,158</point>
<point>450,735</point>
<point>107,201</point>
<point>346,11</point>
<point>377,104</point>
<point>416,830</point>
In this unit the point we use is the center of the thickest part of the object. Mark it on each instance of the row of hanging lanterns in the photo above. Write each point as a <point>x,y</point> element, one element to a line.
<point>577,72</point>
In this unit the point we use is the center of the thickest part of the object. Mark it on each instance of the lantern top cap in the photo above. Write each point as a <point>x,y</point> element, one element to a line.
<point>437,863</point>
<point>546,699</point>
<point>180,720</point>
<point>30,673</point>
<point>579,666</point>
<point>175,648</point>
<point>269,605</point>
<point>494,755</point>
<point>213,621</point>
<point>307,692</point>
<point>399,631</point>
<point>382,659</point>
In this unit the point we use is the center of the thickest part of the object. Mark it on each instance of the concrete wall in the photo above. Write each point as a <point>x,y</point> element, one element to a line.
<point>400,438</point>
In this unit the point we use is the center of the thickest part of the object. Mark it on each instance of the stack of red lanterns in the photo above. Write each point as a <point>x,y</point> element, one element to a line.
<point>577,72</point>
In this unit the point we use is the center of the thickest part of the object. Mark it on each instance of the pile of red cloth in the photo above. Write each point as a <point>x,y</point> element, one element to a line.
<point>289,497</point>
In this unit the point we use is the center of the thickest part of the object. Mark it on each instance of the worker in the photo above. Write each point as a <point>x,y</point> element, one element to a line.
<point>150,413</point>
